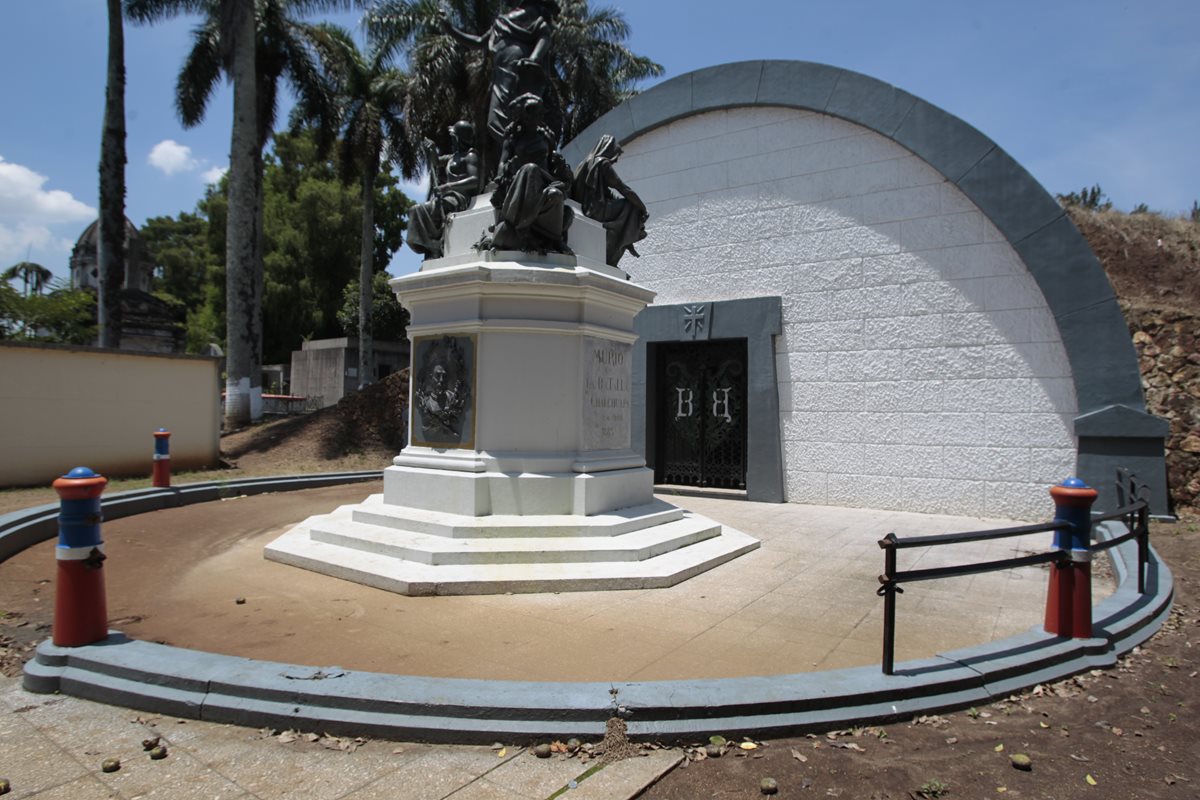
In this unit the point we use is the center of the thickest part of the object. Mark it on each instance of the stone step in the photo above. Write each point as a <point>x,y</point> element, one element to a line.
<point>297,548</point>
<point>374,511</point>
<point>519,548</point>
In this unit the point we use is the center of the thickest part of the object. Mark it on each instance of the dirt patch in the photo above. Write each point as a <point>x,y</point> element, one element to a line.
<point>1126,732</point>
<point>370,423</point>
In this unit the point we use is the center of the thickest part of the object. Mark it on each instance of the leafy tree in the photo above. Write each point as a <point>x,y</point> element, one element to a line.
<point>1195,213</point>
<point>1092,199</point>
<point>389,320</point>
<point>370,101</point>
<point>1140,208</point>
<point>593,70</point>
<point>62,315</point>
<point>254,44</point>
<point>179,248</point>
<point>310,240</point>
<point>111,246</point>
<point>33,277</point>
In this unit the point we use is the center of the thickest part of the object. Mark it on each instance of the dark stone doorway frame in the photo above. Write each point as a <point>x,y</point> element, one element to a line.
<point>758,320</point>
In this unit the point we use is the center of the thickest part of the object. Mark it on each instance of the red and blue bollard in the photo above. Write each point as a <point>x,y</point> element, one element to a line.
<point>80,608</point>
<point>162,458</point>
<point>1069,602</point>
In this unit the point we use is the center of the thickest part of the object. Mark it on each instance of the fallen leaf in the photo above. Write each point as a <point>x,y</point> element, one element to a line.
<point>848,746</point>
<point>502,752</point>
<point>952,740</point>
<point>748,746</point>
<point>397,751</point>
<point>796,754</point>
<point>1091,781</point>
<point>287,737</point>
<point>1080,758</point>
<point>1043,725</point>
<point>999,748</point>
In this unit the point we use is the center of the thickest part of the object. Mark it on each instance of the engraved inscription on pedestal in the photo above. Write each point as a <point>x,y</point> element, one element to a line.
<point>606,391</point>
<point>443,402</point>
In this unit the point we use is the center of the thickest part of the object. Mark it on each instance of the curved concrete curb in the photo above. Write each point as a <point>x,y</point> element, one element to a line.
<point>197,685</point>
<point>26,528</point>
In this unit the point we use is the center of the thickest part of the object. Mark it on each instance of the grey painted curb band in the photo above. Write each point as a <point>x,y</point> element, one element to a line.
<point>22,529</point>
<point>1104,364</point>
<point>228,689</point>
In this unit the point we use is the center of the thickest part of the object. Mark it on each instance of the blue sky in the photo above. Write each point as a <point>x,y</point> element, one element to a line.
<point>1079,92</point>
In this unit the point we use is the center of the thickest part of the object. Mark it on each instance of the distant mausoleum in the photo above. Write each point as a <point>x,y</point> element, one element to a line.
<point>885,308</point>
<point>326,370</point>
<point>148,324</point>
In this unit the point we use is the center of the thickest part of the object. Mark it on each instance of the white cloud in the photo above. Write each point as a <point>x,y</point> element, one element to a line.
<point>33,242</point>
<point>214,174</point>
<point>170,156</point>
<point>416,190</point>
<point>22,197</point>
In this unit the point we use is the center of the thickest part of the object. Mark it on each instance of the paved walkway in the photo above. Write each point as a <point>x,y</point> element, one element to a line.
<point>804,601</point>
<point>52,748</point>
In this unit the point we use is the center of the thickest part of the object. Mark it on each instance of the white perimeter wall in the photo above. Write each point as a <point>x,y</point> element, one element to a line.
<point>65,407</point>
<point>920,368</point>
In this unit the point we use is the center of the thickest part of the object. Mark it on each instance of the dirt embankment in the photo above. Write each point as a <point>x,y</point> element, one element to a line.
<point>1154,265</point>
<point>363,431</point>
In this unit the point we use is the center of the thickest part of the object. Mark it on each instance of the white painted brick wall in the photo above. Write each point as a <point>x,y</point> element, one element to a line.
<point>919,368</point>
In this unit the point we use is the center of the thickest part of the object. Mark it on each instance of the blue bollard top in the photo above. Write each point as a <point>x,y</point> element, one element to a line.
<point>1074,483</point>
<point>81,472</point>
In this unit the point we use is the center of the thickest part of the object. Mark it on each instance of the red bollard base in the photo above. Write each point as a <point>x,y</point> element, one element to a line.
<point>161,476</point>
<point>80,608</point>
<point>1072,583</point>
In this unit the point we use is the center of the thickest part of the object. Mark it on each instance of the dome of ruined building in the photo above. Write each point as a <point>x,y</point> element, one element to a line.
<point>85,269</point>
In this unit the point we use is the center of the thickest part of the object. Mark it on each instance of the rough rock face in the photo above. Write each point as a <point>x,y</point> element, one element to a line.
<point>1153,262</point>
<point>1170,365</point>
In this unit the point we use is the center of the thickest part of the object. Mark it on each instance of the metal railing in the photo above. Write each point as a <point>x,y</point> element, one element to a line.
<point>1135,510</point>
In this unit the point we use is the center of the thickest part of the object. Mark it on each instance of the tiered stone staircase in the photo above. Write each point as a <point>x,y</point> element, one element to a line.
<point>416,552</point>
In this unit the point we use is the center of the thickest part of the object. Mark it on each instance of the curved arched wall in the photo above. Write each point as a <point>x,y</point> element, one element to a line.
<point>947,342</point>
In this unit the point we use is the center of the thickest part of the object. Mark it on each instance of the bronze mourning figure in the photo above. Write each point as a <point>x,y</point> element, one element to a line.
<point>530,181</point>
<point>455,181</point>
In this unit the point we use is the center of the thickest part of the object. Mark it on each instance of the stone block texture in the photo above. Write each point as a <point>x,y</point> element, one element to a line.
<point>920,366</point>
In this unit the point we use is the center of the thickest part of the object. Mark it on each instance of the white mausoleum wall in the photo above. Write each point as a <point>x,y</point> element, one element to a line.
<point>920,368</point>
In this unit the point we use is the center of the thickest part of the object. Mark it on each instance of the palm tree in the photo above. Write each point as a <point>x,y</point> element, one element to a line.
<point>595,71</point>
<point>33,277</point>
<point>253,45</point>
<point>370,120</point>
<point>592,69</point>
<point>111,246</point>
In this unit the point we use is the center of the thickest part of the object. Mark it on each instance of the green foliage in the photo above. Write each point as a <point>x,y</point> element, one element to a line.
<point>1140,208</point>
<point>933,788</point>
<point>1195,214</point>
<point>33,277</point>
<point>389,320</point>
<point>62,315</point>
<point>311,229</point>
<point>1092,199</point>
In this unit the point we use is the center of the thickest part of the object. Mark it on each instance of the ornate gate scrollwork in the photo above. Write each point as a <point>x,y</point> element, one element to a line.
<point>702,414</point>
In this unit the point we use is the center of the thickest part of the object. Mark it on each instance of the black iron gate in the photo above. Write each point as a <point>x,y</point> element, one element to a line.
<point>701,417</point>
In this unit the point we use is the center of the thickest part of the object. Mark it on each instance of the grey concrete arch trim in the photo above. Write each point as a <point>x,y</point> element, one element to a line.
<point>1076,288</point>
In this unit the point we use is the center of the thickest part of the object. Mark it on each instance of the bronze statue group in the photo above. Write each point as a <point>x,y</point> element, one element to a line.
<point>532,181</point>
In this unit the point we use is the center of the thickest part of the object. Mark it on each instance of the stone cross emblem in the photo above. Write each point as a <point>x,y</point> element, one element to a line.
<point>696,321</point>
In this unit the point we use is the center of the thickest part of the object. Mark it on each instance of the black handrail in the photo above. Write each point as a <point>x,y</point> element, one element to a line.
<point>974,536</point>
<point>1135,510</point>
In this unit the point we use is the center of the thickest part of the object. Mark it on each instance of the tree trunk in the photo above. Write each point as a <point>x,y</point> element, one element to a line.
<point>366,276</point>
<point>111,239</point>
<point>243,384</point>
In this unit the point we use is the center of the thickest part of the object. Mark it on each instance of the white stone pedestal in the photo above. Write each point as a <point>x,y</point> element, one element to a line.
<point>519,475</point>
